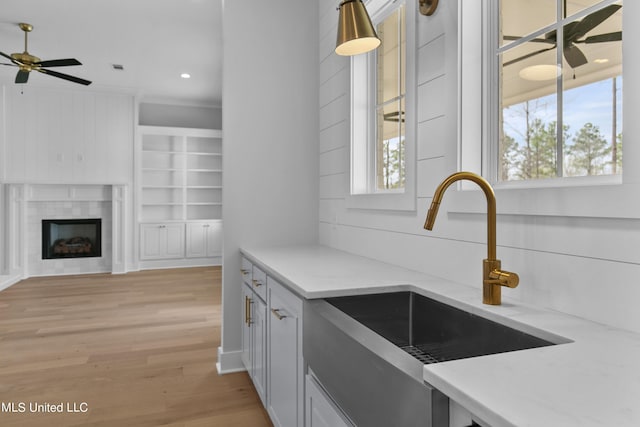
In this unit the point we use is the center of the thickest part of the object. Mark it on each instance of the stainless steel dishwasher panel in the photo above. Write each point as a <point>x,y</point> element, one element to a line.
<point>374,382</point>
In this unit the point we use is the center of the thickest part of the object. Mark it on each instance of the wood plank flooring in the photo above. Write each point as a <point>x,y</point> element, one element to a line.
<point>128,350</point>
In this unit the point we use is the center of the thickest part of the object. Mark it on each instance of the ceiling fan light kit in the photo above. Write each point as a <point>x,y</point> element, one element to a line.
<point>540,72</point>
<point>27,62</point>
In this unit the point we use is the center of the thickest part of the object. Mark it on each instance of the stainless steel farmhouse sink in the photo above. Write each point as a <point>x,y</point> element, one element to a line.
<point>430,330</point>
<point>368,352</point>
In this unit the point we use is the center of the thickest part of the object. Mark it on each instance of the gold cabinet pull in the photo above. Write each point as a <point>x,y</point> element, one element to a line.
<point>247,310</point>
<point>256,283</point>
<point>244,271</point>
<point>276,312</point>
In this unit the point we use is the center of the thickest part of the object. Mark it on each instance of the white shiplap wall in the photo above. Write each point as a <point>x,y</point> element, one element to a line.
<point>589,267</point>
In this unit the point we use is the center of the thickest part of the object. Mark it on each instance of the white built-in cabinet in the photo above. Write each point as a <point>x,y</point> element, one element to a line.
<point>254,329</point>
<point>180,182</point>
<point>272,345</point>
<point>56,136</point>
<point>204,239</point>
<point>320,410</point>
<point>162,241</point>
<point>285,367</point>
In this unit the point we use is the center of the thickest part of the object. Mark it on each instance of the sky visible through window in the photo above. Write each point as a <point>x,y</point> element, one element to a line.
<point>592,103</point>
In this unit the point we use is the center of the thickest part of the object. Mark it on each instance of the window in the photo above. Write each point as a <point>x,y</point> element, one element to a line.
<point>382,125</point>
<point>480,111</point>
<point>559,79</point>
<point>390,89</point>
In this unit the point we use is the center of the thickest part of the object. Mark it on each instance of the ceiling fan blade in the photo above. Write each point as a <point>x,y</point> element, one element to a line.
<point>65,76</point>
<point>529,55</point>
<point>574,56</point>
<point>591,21</point>
<point>22,76</point>
<point>59,62</point>
<point>8,57</point>
<point>552,41</point>
<point>602,38</point>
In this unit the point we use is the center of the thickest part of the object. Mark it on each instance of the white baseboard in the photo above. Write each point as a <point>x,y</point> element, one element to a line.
<point>229,362</point>
<point>6,281</point>
<point>179,263</point>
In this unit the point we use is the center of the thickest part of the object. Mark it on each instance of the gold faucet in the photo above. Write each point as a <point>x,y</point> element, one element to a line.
<point>492,275</point>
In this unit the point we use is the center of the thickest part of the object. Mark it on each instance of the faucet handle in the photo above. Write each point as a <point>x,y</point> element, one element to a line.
<point>503,278</point>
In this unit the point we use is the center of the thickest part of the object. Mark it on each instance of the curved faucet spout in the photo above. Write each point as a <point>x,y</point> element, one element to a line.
<point>491,206</point>
<point>493,276</point>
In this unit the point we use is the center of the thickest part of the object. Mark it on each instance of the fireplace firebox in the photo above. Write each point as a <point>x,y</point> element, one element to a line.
<point>71,238</point>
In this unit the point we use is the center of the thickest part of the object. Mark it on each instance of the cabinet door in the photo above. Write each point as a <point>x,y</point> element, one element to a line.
<point>150,238</point>
<point>320,411</point>
<point>259,326</point>
<point>204,240</point>
<point>161,241</point>
<point>174,240</point>
<point>197,240</point>
<point>214,239</point>
<point>285,386</point>
<point>247,301</point>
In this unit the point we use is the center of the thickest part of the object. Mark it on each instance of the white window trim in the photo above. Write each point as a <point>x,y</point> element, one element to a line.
<point>597,197</point>
<point>399,200</point>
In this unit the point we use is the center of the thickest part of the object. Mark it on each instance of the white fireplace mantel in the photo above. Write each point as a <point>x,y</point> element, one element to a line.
<point>20,196</point>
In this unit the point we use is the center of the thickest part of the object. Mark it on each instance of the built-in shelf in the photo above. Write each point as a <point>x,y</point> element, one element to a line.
<point>180,174</point>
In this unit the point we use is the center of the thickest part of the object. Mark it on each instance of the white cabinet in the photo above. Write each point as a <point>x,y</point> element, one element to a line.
<point>68,137</point>
<point>320,411</point>
<point>285,363</point>
<point>459,416</point>
<point>161,241</point>
<point>254,335</point>
<point>204,239</point>
<point>272,345</point>
<point>180,180</point>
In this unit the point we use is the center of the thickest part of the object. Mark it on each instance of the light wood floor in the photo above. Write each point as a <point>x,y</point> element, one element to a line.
<point>139,349</point>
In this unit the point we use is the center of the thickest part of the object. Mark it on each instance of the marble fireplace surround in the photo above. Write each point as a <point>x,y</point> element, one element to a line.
<point>27,204</point>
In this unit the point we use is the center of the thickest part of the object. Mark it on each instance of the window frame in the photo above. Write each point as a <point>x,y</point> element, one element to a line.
<point>604,196</point>
<point>493,111</point>
<point>362,192</point>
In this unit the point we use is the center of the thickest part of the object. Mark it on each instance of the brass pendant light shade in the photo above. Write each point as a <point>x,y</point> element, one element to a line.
<point>355,31</point>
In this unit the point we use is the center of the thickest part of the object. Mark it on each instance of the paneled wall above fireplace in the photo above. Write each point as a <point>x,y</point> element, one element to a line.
<point>67,137</point>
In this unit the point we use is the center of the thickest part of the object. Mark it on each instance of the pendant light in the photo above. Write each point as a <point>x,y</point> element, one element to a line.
<point>355,31</point>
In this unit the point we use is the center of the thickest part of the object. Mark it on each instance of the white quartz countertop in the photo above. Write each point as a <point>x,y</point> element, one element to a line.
<point>592,379</point>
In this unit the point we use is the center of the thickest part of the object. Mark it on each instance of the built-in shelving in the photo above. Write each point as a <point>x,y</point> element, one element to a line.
<point>180,174</point>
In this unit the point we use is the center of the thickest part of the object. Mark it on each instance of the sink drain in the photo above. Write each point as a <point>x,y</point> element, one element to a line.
<point>422,356</point>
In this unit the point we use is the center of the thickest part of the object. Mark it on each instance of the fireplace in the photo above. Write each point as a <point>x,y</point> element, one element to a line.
<point>71,238</point>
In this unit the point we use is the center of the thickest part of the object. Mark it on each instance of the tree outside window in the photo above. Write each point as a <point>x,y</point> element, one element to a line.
<point>561,96</point>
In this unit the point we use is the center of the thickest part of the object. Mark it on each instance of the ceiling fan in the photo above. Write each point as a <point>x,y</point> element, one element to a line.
<point>27,63</point>
<point>573,33</point>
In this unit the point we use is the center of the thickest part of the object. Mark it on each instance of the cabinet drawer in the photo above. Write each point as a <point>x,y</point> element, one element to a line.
<point>259,282</point>
<point>245,271</point>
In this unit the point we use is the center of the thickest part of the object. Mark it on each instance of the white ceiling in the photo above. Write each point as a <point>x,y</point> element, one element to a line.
<point>155,41</point>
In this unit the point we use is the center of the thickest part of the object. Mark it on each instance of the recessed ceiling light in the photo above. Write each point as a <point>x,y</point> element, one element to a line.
<point>601,60</point>
<point>185,75</point>
<point>540,72</point>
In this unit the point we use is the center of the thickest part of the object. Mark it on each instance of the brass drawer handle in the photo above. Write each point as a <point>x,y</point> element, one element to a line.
<point>276,312</point>
<point>243,271</point>
<point>256,283</point>
<point>247,310</point>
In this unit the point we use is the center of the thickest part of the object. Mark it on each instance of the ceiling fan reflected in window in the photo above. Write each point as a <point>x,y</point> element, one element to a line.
<point>574,34</point>
<point>27,63</point>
